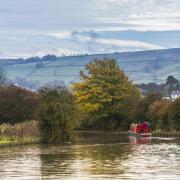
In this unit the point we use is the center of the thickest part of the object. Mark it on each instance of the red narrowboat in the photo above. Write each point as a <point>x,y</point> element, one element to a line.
<point>140,130</point>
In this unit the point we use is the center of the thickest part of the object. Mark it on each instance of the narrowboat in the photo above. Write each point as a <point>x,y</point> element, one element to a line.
<point>140,130</point>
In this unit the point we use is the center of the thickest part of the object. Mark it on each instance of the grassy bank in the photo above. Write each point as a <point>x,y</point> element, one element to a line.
<point>22,133</point>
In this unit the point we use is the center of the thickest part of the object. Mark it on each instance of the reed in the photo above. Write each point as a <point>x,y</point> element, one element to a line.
<point>21,133</point>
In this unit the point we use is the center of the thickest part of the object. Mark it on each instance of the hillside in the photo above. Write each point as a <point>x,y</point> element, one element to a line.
<point>141,67</point>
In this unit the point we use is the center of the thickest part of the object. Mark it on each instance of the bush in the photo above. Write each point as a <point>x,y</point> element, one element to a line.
<point>20,133</point>
<point>57,115</point>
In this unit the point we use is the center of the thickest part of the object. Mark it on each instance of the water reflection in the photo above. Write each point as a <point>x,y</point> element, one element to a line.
<point>93,159</point>
<point>155,161</point>
<point>19,163</point>
<point>82,161</point>
<point>139,140</point>
<point>56,161</point>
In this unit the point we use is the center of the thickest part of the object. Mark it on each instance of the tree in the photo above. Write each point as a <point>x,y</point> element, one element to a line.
<point>171,80</point>
<point>174,115</point>
<point>140,111</point>
<point>158,114</point>
<point>172,84</point>
<point>17,104</point>
<point>103,94</point>
<point>57,114</point>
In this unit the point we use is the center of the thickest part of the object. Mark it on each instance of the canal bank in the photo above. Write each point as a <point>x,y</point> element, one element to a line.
<point>19,134</point>
<point>124,133</point>
<point>23,136</point>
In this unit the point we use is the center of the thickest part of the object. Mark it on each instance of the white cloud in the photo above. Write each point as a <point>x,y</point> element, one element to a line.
<point>34,23</point>
<point>137,45</point>
<point>39,53</point>
<point>90,14</point>
<point>67,52</point>
<point>91,42</point>
<point>162,15</point>
<point>55,51</point>
<point>125,44</point>
<point>61,35</point>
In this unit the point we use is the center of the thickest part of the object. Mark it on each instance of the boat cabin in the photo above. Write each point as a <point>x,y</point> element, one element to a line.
<point>141,129</point>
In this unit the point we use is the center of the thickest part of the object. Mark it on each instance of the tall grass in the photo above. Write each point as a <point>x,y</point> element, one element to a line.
<point>21,133</point>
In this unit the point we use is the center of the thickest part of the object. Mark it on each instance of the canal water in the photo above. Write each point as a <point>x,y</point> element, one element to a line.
<point>94,159</point>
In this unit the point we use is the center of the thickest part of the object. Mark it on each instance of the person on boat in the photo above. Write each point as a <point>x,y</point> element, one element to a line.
<point>132,127</point>
<point>145,126</point>
<point>139,127</point>
<point>148,125</point>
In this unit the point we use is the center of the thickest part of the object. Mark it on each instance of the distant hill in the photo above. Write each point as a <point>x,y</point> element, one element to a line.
<point>140,66</point>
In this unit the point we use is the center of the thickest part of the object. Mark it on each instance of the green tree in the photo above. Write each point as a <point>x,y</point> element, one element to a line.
<point>57,114</point>
<point>172,84</point>
<point>103,94</point>
<point>171,80</point>
<point>174,115</point>
<point>158,114</point>
<point>140,111</point>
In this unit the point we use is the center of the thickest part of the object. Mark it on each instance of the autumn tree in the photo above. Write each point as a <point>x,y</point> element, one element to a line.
<point>158,114</point>
<point>140,111</point>
<point>57,114</point>
<point>103,95</point>
<point>174,115</point>
<point>17,104</point>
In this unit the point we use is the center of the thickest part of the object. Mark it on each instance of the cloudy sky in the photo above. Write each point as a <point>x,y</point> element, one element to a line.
<point>66,27</point>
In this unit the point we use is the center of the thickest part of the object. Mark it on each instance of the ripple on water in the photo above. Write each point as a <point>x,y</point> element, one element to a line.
<point>92,161</point>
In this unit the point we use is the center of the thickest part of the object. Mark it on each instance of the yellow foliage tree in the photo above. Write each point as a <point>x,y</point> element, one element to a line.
<point>103,88</point>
